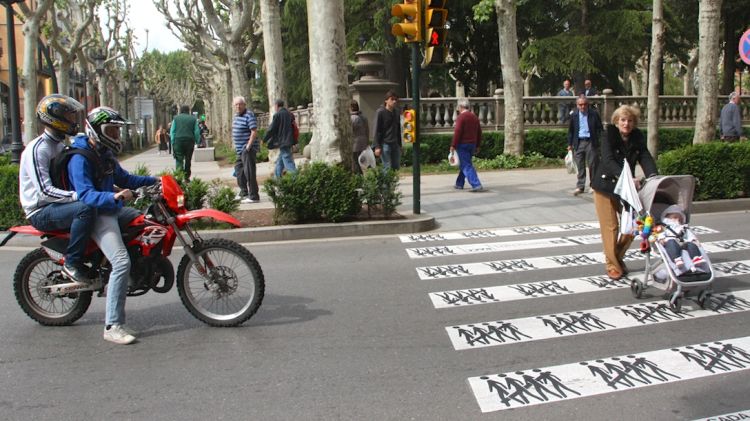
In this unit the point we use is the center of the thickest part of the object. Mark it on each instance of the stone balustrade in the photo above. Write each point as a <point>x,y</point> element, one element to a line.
<point>437,115</point>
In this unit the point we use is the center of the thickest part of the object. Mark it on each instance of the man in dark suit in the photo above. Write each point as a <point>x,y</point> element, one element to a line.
<point>583,139</point>
<point>588,89</point>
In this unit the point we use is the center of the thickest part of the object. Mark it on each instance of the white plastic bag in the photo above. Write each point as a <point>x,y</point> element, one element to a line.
<point>453,159</point>
<point>570,163</point>
<point>366,159</point>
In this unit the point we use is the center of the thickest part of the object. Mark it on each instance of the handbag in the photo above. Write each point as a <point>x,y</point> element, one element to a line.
<point>570,163</point>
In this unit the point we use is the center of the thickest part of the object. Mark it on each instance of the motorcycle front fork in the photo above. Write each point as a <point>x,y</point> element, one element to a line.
<point>188,245</point>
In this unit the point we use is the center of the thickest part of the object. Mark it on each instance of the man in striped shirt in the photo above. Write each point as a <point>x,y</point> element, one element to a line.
<point>247,145</point>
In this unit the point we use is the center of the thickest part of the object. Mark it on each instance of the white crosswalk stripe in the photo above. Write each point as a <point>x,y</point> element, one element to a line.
<point>503,332</point>
<point>509,232</point>
<point>499,232</point>
<point>570,260</point>
<point>551,288</point>
<point>518,389</point>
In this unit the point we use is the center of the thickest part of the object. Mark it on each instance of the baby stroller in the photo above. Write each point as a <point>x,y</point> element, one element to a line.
<point>657,194</point>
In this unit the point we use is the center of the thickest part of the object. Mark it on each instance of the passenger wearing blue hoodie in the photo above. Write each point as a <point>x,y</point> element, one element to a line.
<point>94,182</point>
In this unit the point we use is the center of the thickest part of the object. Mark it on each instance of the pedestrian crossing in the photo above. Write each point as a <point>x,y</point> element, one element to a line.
<point>527,278</point>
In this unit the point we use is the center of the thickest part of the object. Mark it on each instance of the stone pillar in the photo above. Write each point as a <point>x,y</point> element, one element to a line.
<point>608,107</point>
<point>370,89</point>
<point>499,109</point>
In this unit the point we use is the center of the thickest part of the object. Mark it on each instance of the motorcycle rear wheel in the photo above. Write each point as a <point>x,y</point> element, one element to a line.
<point>234,289</point>
<point>35,271</point>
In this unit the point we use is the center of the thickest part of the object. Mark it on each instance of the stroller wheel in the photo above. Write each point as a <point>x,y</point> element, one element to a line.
<point>704,298</point>
<point>675,304</point>
<point>636,287</point>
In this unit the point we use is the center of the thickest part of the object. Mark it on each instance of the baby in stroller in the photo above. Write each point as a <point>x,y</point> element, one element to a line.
<point>681,245</point>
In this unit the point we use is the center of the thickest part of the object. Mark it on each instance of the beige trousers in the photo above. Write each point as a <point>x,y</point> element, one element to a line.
<point>614,244</point>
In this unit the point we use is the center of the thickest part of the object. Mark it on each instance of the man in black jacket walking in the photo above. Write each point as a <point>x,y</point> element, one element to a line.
<point>281,134</point>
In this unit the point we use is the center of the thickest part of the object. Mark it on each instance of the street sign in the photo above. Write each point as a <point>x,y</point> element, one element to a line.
<point>745,47</point>
<point>144,107</point>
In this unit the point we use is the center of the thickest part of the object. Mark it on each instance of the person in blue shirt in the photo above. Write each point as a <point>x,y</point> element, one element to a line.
<point>94,182</point>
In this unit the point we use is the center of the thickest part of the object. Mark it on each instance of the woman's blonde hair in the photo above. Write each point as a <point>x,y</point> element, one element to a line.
<point>627,111</point>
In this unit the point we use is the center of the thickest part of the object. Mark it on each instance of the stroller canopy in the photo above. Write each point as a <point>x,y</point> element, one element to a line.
<point>664,190</point>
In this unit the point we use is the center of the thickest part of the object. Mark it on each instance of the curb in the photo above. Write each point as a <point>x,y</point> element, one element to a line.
<point>410,224</point>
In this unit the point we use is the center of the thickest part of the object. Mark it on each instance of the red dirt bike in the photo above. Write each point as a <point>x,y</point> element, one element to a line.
<point>219,281</point>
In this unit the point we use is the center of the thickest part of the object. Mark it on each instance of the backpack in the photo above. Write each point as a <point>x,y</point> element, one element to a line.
<point>295,130</point>
<point>59,167</point>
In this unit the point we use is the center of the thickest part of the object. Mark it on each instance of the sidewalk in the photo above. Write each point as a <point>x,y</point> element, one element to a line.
<point>511,198</point>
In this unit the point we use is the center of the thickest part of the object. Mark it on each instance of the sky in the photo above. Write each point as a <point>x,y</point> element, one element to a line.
<point>143,15</point>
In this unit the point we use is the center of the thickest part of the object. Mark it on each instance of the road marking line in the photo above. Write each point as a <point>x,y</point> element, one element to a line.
<point>570,260</point>
<point>457,250</point>
<point>517,389</point>
<point>555,287</point>
<point>535,328</point>
<point>734,416</point>
<point>508,232</point>
<point>498,232</point>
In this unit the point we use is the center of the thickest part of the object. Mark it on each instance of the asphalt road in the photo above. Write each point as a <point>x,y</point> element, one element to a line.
<point>348,330</point>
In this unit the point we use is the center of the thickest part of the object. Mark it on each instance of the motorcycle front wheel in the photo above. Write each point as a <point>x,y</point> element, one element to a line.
<point>230,291</point>
<point>37,271</point>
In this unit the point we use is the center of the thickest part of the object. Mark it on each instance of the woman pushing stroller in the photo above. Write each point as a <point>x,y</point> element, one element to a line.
<point>623,141</point>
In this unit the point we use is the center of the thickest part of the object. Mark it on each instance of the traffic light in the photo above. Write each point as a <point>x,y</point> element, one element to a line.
<point>411,26</point>
<point>435,15</point>
<point>409,126</point>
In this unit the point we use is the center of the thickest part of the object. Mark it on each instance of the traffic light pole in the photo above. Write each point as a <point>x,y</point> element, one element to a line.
<point>415,66</point>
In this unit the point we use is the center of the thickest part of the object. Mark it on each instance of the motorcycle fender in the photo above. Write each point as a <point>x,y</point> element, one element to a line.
<point>207,213</point>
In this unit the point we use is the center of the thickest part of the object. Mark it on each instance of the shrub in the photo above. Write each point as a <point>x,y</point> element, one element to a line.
<point>722,169</point>
<point>380,190</point>
<point>142,169</point>
<point>11,212</point>
<point>317,192</point>
<point>221,197</point>
<point>195,193</point>
<point>548,143</point>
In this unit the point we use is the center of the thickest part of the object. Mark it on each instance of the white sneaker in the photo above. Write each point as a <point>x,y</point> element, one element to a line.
<point>118,335</point>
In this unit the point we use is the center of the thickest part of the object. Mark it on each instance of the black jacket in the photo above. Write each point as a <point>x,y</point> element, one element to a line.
<point>280,129</point>
<point>595,128</point>
<point>614,151</point>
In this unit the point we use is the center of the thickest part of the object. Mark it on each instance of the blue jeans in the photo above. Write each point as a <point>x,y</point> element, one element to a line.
<point>285,160</point>
<point>109,239</point>
<point>77,217</point>
<point>465,167</point>
<point>391,156</point>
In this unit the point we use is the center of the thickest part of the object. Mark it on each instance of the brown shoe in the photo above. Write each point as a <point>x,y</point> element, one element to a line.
<point>625,270</point>
<point>614,275</point>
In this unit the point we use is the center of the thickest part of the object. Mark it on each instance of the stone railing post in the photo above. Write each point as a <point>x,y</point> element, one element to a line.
<point>499,109</point>
<point>608,107</point>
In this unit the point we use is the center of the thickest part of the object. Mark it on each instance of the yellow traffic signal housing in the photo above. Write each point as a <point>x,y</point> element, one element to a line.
<point>435,16</point>
<point>409,126</point>
<point>411,26</point>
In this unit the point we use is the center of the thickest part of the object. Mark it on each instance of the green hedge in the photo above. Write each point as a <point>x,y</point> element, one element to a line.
<point>722,169</point>
<point>11,212</point>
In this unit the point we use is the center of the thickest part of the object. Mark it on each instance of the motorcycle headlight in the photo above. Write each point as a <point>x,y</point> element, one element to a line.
<point>181,200</point>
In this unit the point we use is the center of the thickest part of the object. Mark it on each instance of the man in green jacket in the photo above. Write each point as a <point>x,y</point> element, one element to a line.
<point>185,134</point>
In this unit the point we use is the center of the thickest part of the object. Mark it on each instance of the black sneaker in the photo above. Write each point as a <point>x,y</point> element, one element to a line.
<point>76,274</point>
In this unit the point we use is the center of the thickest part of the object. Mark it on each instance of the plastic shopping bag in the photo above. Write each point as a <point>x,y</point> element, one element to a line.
<point>453,159</point>
<point>570,163</point>
<point>366,159</point>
